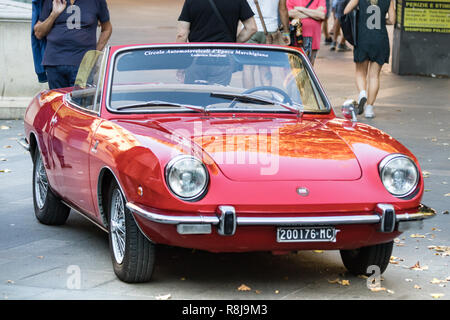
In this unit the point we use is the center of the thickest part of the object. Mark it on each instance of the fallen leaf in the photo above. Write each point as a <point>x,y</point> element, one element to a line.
<point>447,195</point>
<point>417,287</point>
<point>339,281</point>
<point>257,292</point>
<point>243,287</point>
<point>5,171</point>
<point>390,291</point>
<point>425,174</point>
<point>408,280</point>
<point>416,235</point>
<point>345,282</point>
<point>437,295</point>
<point>5,127</point>
<point>334,281</point>
<point>377,289</point>
<point>40,257</point>
<point>362,276</point>
<point>7,147</point>
<point>182,278</point>
<point>10,281</point>
<point>445,212</point>
<point>164,297</point>
<point>418,267</point>
<point>318,251</point>
<point>437,281</point>
<point>395,260</point>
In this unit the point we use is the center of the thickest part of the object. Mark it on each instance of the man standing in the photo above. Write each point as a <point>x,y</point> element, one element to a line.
<point>199,22</point>
<point>71,31</point>
<point>272,13</point>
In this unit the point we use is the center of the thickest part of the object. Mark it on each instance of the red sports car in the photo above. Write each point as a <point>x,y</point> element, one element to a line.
<point>218,147</point>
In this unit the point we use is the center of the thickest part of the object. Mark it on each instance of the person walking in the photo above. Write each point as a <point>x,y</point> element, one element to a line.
<point>338,11</point>
<point>70,28</point>
<point>372,48</point>
<point>311,13</point>
<point>199,22</point>
<point>272,13</point>
<point>325,27</point>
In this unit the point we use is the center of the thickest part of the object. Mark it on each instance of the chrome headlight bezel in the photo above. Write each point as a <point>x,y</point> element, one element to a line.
<point>384,165</point>
<point>171,165</point>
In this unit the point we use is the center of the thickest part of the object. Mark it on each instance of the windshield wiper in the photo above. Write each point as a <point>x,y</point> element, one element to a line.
<point>156,103</point>
<point>252,98</point>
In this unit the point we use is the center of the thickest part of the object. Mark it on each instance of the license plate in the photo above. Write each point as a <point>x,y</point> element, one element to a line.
<point>306,234</point>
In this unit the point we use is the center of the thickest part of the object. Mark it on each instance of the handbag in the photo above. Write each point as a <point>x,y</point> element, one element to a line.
<point>296,30</point>
<point>271,38</point>
<point>349,26</point>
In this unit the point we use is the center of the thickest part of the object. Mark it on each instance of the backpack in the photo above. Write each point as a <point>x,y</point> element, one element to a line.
<point>349,26</point>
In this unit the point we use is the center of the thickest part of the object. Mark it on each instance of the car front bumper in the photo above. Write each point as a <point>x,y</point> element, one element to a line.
<point>227,220</point>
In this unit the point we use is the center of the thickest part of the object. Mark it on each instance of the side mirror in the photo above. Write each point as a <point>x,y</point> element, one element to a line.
<point>349,110</point>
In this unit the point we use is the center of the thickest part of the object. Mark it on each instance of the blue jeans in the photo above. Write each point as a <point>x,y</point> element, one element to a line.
<point>61,76</point>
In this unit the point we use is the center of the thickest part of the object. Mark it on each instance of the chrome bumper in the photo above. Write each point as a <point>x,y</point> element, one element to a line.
<point>219,220</point>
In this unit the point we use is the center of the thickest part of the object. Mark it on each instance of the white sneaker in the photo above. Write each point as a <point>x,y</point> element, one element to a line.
<point>368,112</point>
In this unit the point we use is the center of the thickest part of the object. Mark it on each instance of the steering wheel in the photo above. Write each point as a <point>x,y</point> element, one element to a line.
<point>286,100</point>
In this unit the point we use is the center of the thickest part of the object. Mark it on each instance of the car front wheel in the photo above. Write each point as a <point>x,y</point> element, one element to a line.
<point>133,255</point>
<point>359,260</point>
<point>48,208</point>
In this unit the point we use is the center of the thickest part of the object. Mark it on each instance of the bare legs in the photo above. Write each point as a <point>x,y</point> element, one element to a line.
<point>374,82</point>
<point>368,78</point>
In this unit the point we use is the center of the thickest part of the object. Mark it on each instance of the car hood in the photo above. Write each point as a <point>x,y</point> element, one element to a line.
<point>265,148</point>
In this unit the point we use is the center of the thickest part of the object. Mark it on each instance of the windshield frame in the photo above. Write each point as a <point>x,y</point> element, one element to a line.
<point>304,59</point>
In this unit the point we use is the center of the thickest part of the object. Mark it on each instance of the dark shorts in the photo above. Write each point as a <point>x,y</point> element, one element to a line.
<point>338,7</point>
<point>328,6</point>
<point>61,76</point>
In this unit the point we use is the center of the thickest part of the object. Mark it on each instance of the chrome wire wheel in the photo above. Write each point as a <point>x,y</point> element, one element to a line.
<point>40,183</point>
<point>118,230</point>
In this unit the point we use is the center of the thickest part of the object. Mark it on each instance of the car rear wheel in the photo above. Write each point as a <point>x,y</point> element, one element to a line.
<point>48,208</point>
<point>357,261</point>
<point>133,255</point>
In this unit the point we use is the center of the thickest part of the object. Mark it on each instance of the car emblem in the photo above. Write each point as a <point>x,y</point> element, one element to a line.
<point>303,191</point>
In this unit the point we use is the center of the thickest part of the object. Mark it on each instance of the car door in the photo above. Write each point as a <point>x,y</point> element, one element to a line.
<point>73,127</point>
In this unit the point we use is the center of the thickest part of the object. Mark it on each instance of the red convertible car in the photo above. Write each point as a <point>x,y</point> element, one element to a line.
<point>218,147</point>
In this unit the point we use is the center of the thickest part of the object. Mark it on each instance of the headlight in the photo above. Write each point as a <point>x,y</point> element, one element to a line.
<point>399,175</point>
<point>187,177</point>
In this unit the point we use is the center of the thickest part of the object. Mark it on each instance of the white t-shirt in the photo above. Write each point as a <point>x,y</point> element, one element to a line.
<point>269,10</point>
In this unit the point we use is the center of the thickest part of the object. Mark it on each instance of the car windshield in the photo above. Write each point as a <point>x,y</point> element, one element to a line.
<point>213,79</point>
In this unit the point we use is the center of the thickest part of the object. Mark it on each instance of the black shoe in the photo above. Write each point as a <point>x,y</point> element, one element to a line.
<point>328,41</point>
<point>361,104</point>
<point>333,46</point>
<point>343,47</point>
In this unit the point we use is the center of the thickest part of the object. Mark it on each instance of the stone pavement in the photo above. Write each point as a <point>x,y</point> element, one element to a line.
<point>35,259</point>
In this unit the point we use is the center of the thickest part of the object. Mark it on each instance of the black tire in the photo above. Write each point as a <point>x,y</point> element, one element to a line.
<point>48,208</point>
<point>357,261</point>
<point>138,260</point>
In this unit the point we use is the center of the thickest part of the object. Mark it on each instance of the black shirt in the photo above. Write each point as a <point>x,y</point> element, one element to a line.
<point>207,27</point>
